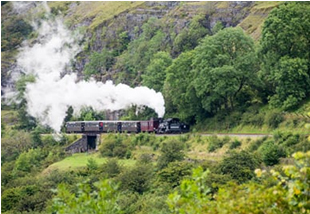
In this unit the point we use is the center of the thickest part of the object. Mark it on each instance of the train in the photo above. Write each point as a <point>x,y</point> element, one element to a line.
<point>157,125</point>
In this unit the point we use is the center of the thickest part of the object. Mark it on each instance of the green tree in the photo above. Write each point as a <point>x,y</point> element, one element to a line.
<point>194,194</point>
<point>92,164</point>
<point>99,63</point>
<point>27,122</point>
<point>190,36</point>
<point>179,91</point>
<point>285,54</point>
<point>171,151</point>
<point>101,200</point>
<point>14,145</point>
<point>271,153</point>
<point>292,82</point>
<point>137,178</point>
<point>14,30</point>
<point>224,64</point>
<point>286,192</point>
<point>124,40</point>
<point>175,172</point>
<point>140,51</point>
<point>240,166</point>
<point>30,159</point>
<point>155,74</point>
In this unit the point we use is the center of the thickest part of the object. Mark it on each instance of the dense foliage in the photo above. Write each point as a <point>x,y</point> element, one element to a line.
<point>274,193</point>
<point>214,78</point>
<point>285,54</point>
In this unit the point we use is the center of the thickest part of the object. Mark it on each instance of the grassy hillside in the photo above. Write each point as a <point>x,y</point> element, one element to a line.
<point>98,12</point>
<point>253,23</point>
<point>80,160</point>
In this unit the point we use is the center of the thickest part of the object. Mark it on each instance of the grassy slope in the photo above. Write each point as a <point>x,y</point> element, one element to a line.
<point>253,23</point>
<point>79,160</point>
<point>197,148</point>
<point>98,11</point>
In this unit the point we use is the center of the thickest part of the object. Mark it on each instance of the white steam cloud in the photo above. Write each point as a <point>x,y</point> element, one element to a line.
<point>50,96</point>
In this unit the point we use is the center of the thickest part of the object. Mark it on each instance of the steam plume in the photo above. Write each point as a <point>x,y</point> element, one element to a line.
<point>50,96</point>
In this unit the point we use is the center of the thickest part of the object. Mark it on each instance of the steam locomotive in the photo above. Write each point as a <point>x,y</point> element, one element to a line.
<point>160,126</point>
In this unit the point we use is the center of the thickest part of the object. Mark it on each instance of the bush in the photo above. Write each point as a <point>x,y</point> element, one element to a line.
<point>143,139</point>
<point>171,151</point>
<point>303,145</point>
<point>235,144</point>
<point>175,172</point>
<point>289,192</point>
<point>111,168</point>
<point>92,165</point>
<point>256,144</point>
<point>216,143</point>
<point>255,119</point>
<point>115,146</point>
<point>136,179</point>
<point>101,200</point>
<point>273,119</point>
<point>27,160</point>
<point>271,153</point>
<point>240,166</point>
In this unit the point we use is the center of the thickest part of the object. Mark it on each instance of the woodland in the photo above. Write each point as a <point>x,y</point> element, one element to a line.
<point>222,67</point>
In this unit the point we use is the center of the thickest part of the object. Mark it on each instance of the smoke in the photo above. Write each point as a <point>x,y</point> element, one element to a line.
<point>49,97</point>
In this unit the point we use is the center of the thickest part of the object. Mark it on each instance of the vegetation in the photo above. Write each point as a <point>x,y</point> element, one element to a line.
<point>214,77</point>
<point>285,58</point>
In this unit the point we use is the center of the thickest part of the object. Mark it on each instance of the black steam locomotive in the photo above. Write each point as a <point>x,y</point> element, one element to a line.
<point>160,126</point>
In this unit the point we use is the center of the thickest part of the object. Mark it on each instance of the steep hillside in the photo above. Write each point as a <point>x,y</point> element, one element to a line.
<point>103,23</point>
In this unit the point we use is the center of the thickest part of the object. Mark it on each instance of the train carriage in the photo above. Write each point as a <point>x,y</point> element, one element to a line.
<point>171,125</point>
<point>149,125</point>
<point>74,127</point>
<point>129,126</point>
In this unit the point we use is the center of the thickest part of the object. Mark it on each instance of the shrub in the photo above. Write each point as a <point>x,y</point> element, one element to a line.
<point>240,166</point>
<point>235,144</point>
<point>291,140</point>
<point>111,168</point>
<point>92,164</point>
<point>114,146</point>
<point>101,200</point>
<point>27,160</point>
<point>171,151</point>
<point>288,194</point>
<point>216,143</point>
<point>175,172</point>
<point>303,145</point>
<point>271,153</point>
<point>256,144</point>
<point>145,158</point>
<point>280,136</point>
<point>273,119</point>
<point>136,179</point>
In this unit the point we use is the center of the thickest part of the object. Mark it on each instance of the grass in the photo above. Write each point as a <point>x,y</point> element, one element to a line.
<point>253,23</point>
<point>199,148</point>
<point>100,11</point>
<point>79,160</point>
<point>9,118</point>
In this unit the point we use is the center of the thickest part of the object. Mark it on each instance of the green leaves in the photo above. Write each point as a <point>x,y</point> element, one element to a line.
<point>275,193</point>
<point>224,64</point>
<point>171,151</point>
<point>99,63</point>
<point>155,74</point>
<point>285,54</point>
<point>101,200</point>
<point>193,196</point>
